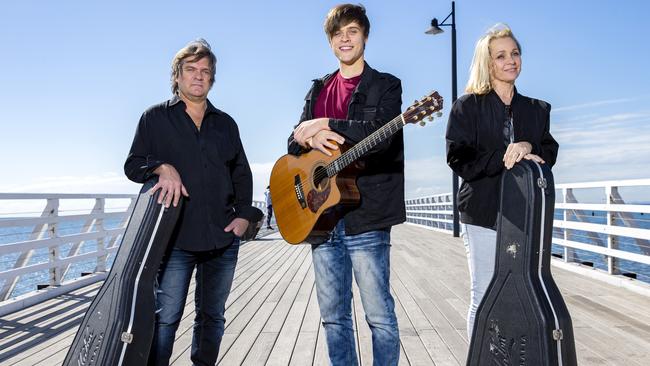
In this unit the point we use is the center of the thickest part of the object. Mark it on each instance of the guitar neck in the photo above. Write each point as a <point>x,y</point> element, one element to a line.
<point>365,145</point>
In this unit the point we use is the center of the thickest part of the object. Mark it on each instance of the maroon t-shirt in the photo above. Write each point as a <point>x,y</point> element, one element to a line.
<point>335,96</point>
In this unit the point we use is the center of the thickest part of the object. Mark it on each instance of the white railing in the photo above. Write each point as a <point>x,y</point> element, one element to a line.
<point>46,238</point>
<point>608,226</point>
<point>51,244</point>
<point>431,211</point>
<point>595,225</point>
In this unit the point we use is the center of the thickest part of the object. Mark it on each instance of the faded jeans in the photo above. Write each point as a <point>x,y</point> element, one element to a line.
<point>214,275</point>
<point>368,256</point>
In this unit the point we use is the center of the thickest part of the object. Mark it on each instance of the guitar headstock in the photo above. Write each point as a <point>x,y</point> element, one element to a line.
<point>423,108</point>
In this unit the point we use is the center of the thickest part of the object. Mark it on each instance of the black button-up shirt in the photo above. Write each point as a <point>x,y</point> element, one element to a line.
<point>212,165</point>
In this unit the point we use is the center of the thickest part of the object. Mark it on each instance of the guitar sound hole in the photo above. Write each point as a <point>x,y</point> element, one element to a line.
<point>320,178</point>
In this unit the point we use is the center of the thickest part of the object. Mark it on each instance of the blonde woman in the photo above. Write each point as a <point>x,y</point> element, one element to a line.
<point>490,129</point>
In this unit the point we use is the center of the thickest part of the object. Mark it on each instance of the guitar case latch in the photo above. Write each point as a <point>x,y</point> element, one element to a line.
<point>126,337</point>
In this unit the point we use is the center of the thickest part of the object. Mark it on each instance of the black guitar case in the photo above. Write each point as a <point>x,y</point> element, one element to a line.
<point>522,319</point>
<point>118,326</point>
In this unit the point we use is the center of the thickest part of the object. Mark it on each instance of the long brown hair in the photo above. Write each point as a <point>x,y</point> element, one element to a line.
<point>192,52</point>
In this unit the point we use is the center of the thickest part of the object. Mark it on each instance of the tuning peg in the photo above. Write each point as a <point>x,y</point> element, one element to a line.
<point>422,123</point>
<point>424,113</point>
<point>415,117</point>
<point>439,114</point>
<point>430,118</point>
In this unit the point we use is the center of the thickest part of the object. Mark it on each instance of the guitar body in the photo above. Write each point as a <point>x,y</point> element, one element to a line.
<point>306,209</point>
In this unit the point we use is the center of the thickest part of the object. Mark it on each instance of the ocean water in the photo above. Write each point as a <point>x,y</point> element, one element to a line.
<point>637,270</point>
<point>30,282</point>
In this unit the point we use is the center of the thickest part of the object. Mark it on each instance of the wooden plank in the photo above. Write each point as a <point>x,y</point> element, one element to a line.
<point>320,357</point>
<point>415,351</point>
<point>288,288</point>
<point>253,317</point>
<point>412,311</point>
<point>437,349</point>
<point>44,350</point>
<point>587,356</point>
<point>305,349</point>
<point>288,337</point>
<point>261,349</point>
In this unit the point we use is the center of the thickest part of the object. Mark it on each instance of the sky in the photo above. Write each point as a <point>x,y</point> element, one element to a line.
<point>77,75</point>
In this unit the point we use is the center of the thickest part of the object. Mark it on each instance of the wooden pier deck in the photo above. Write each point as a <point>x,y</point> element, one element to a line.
<point>273,319</point>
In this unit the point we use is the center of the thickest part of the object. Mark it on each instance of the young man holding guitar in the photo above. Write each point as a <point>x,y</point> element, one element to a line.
<point>347,106</point>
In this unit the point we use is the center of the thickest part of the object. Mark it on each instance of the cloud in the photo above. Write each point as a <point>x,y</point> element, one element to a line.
<point>613,146</point>
<point>591,104</point>
<point>108,182</point>
<point>424,177</point>
<point>104,183</point>
<point>261,176</point>
<point>619,120</point>
<point>599,103</point>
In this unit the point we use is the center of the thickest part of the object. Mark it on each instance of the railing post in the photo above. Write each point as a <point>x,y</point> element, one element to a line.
<point>567,197</point>
<point>56,273</point>
<point>612,241</point>
<point>102,254</point>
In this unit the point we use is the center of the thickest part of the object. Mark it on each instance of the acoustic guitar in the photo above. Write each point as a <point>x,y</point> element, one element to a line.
<point>311,192</point>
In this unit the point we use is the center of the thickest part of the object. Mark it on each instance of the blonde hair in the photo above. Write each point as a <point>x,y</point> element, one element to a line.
<point>193,52</point>
<point>479,72</point>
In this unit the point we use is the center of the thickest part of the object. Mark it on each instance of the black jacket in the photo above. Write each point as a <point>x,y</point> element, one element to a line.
<point>376,101</point>
<point>212,165</point>
<point>475,148</point>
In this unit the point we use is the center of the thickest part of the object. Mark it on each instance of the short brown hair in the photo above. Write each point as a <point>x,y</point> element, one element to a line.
<point>344,14</point>
<point>194,51</point>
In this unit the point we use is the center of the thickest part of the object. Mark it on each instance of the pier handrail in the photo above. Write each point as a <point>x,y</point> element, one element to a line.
<point>616,234</point>
<point>40,242</point>
<point>599,225</point>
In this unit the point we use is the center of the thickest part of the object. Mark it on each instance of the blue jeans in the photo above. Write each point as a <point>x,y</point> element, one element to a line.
<point>214,274</point>
<point>368,255</point>
<point>481,250</point>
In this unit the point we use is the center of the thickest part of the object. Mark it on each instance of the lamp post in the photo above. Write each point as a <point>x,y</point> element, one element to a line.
<point>435,29</point>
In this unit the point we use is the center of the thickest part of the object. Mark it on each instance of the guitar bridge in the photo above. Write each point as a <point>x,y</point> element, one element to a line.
<point>300,194</point>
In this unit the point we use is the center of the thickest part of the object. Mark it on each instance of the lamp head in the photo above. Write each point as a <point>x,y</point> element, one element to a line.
<point>435,29</point>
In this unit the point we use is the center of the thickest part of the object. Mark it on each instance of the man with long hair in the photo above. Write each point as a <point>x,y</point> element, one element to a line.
<point>195,150</point>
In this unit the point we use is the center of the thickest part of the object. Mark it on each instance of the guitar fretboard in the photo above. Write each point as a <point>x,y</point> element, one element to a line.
<point>365,145</point>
